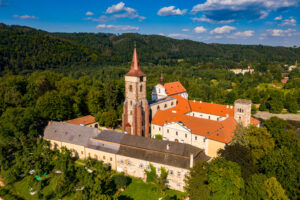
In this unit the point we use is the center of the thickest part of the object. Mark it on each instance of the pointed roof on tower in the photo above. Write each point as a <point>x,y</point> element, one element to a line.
<point>135,69</point>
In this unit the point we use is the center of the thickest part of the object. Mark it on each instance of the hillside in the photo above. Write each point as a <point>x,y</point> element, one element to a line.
<point>25,48</point>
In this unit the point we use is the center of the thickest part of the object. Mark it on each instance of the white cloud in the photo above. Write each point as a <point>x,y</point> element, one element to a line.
<point>280,32</point>
<point>179,36</point>
<point>205,19</point>
<point>101,19</point>
<point>117,27</point>
<point>185,30</point>
<point>288,22</point>
<point>200,29</point>
<point>241,9</point>
<point>248,33</point>
<point>161,34</point>
<point>88,13</point>
<point>170,10</point>
<point>25,17</point>
<point>278,18</point>
<point>218,36</point>
<point>121,11</point>
<point>222,30</point>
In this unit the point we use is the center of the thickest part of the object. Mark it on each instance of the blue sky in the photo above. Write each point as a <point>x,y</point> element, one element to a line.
<point>269,22</point>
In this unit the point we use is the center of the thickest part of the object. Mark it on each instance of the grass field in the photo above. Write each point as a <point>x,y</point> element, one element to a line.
<point>138,190</point>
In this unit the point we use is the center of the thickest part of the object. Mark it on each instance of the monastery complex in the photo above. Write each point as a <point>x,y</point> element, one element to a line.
<point>190,130</point>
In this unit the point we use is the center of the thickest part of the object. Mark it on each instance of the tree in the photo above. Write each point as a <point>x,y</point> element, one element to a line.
<point>275,125</point>
<point>241,155</point>
<point>121,181</point>
<point>282,164</point>
<point>291,103</point>
<point>255,187</point>
<point>108,119</point>
<point>54,106</point>
<point>162,179</point>
<point>197,182</point>
<point>274,189</point>
<point>151,174</point>
<point>224,178</point>
<point>275,102</point>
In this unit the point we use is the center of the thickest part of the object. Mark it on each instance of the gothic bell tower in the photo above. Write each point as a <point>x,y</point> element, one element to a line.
<point>135,118</point>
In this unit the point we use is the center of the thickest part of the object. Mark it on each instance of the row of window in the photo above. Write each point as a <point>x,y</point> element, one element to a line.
<point>130,88</point>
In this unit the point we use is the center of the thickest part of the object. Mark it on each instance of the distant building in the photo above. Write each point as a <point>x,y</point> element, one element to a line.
<point>87,120</point>
<point>285,80</point>
<point>242,71</point>
<point>293,66</point>
<point>126,153</point>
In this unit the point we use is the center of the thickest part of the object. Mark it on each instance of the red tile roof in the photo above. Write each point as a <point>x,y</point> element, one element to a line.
<point>135,69</point>
<point>211,108</point>
<point>174,88</point>
<point>85,120</point>
<point>215,130</point>
<point>221,131</point>
<point>285,80</point>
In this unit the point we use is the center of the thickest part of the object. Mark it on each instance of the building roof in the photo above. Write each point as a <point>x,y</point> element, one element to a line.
<point>254,121</point>
<point>70,133</point>
<point>85,120</point>
<point>182,105</point>
<point>160,100</point>
<point>244,101</point>
<point>153,150</point>
<point>221,131</point>
<point>211,108</point>
<point>174,88</point>
<point>135,69</point>
<point>284,80</point>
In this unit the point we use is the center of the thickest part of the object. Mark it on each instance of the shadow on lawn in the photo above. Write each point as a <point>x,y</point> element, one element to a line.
<point>123,197</point>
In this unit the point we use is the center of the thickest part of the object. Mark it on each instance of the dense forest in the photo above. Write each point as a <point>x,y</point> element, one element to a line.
<point>24,48</point>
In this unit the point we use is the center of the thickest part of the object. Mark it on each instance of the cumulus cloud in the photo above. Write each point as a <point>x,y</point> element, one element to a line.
<point>222,30</point>
<point>179,36</point>
<point>244,34</point>
<point>278,18</point>
<point>280,32</point>
<point>118,11</point>
<point>241,9</point>
<point>88,13</point>
<point>170,10</point>
<point>199,29</point>
<point>205,19</point>
<point>288,22</point>
<point>185,30</point>
<point>117,27</point>
<point>25,17</point>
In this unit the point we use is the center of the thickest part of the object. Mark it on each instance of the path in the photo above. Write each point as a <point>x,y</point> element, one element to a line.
<point>267,115</point>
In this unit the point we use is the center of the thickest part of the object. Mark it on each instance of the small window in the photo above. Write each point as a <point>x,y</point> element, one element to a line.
<point>167,130</point>
<point>103,157</point>
<point>171,172</point>
<point>148,167</point>
<point>193,114</point>
<point>195,137</point>
<point>128,162</point>
<point>185,135</point>
<point>96,125</point>
<point>178,174</point>
<point>178,184</point>
<point>208,117</point>
<point>176,133</point>
<point>122,161</point>
<point>172,103</point>
<point>141,165</point>
<point>89,154</point>
<point>81,152</point>
<point>141,79</point>
<point>153,127</point>
<point>158,107</point>
<point>158,169</point>
<point>130,88</point>
<point>159,129</point>
<point>165,105</point>
<point>110,158</point>
<point>131,103</point>
<point>141,88</point>
<point>96,157</point>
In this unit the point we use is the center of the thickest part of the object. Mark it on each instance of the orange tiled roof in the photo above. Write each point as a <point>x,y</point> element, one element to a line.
<point>254,121</point>
<point>85,120</point>
<point>215,130</point>
<point>211,108</point>
<point>174,88</point>
<point>182,105</point>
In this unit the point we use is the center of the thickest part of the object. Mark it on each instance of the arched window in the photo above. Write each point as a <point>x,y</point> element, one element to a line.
<point>158,107</point>
<point>165,105</point>
<point>141,88</point>
<point>130,88</point>
<point>172,103</point>
<point>131,103</point>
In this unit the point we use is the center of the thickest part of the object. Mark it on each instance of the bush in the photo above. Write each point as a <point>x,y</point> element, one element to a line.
<point>158,137</point>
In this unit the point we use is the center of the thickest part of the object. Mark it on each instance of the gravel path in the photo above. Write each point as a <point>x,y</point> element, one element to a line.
<point>267,115</point>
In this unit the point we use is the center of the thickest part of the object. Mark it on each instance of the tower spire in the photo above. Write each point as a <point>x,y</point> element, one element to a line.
<point>135,69</point>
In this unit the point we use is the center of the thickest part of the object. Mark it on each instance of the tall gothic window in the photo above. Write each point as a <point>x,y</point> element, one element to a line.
<point>130,88</point>
<point>141,88</point>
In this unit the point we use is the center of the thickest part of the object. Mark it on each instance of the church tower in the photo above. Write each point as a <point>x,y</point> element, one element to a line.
<point>135,118</point>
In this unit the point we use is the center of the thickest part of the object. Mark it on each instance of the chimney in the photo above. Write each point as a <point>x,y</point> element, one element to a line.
<point>194,101</point>
<point>231,107</point>
<point>191,160</point>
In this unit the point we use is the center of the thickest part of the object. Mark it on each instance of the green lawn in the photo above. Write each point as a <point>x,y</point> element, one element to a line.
<point>138,190</point>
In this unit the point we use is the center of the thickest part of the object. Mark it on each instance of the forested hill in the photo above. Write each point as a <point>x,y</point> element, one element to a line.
<point>25,48</point>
